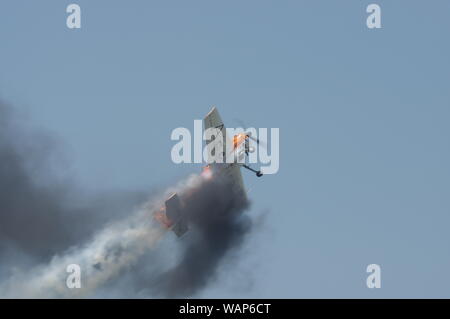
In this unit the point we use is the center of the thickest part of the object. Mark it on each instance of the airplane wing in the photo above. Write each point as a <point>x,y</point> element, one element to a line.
<point>213,120</point>
<point>232,170</point>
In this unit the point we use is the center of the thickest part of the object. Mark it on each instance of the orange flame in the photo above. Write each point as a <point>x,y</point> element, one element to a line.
<point>239,139</point>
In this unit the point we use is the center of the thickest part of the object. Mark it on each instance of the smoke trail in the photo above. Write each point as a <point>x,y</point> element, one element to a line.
<point>213,212</point>
<point>113,249</point>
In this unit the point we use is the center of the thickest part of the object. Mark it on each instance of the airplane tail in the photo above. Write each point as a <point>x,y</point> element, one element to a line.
<point>175,215</point>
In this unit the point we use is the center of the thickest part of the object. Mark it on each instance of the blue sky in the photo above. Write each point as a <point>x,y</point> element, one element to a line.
<point>363,115</point>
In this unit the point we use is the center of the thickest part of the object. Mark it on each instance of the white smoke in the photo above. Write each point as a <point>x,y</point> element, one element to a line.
<point>111,250</point>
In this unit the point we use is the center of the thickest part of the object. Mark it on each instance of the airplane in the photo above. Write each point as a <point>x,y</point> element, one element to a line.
<point>171,215</point>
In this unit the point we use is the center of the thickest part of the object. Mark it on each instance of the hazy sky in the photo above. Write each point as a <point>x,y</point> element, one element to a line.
<point>363,115</point>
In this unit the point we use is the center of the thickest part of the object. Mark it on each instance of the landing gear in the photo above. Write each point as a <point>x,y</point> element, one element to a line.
<point>258,173</point>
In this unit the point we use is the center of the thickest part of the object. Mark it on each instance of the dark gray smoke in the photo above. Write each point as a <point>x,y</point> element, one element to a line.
<point>45,223</point>
<point>218,226</point>
<point>41,212</point>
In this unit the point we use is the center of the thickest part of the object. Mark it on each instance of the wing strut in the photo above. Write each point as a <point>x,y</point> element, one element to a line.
<point>258,173</point>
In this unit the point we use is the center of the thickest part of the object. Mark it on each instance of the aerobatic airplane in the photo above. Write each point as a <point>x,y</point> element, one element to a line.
<point>171,216</point>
